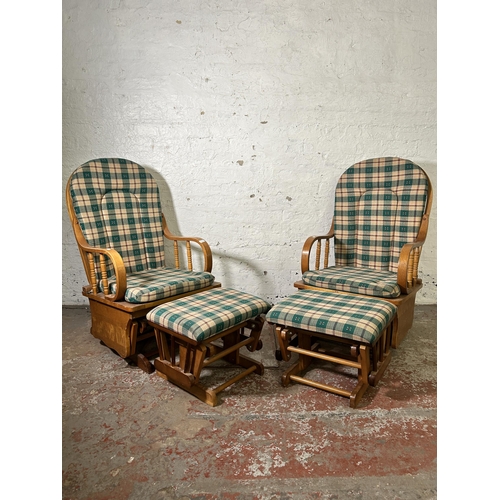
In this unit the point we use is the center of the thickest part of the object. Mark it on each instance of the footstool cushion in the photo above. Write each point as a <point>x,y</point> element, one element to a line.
<point>196,331</point>
<point>314,318</point>
<point>205,314</point>
<point>347,316</point>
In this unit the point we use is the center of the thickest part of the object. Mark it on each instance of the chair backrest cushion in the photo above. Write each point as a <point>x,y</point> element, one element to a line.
<point>379,204</point>
<point>117,203</point>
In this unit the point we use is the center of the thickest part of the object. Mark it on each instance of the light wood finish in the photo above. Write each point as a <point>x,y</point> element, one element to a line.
<point>308,246</point>
<point>113,322</point>
<point>105,285</point>
<point>113,318</point>
<point>407,274</point>
<point>181,359</point>
<point>371,361</point>
<point>186,241</point>
<point>325,357</point>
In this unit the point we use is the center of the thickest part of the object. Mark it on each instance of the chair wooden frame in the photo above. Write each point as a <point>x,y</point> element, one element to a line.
<point>181,359</point>
<point>371,361</point>
<point>407,274</point>
<point>119,324</point>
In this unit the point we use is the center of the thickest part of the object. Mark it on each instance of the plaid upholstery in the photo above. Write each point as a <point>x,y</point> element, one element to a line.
<point>379,205</point>
<point>156,284</point>
<point>357,318</point>
<point>204,314</point>
<point>357,280</point>
<point>117,204</point>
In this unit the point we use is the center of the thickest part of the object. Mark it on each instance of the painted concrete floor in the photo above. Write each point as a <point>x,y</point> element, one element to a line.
<point>129,435</point>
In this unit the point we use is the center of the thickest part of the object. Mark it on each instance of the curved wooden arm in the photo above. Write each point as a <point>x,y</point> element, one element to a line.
<point>88,255</point>
<point>408,265</point>
<point>89,265</point>
<point>207,252</point>
<point>410,253</point>
<point>308,245</point>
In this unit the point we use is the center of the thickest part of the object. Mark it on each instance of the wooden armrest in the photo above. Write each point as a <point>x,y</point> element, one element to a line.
<point>408,265</point>
<point>410,253</point>
<point>307,248</point>
<point>207,252</point>
<point>88,255</point>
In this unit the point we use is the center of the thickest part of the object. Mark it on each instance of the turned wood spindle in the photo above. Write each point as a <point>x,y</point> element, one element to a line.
<point>190,259</point>
<point>409,274</point>
<point>327,251</point>
<point>176,254</point>
<point>93,280</point>
<point>415,264</point>
<point>104,274</point>
<point>318,254</point>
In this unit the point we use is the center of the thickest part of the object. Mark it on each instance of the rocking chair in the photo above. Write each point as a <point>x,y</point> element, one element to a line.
<point>115,211</point>
<point>380,222</point>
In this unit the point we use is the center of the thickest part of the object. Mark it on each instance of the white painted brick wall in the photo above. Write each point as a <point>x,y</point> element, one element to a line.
<point>247,112</point>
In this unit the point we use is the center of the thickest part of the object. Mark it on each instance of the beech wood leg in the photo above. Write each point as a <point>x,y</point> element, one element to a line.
<point>181,360</point>
<point>370,361</point>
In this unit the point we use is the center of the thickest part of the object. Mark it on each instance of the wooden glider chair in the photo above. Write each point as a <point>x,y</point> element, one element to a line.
<point>115,211</point>
<point>380,222</point>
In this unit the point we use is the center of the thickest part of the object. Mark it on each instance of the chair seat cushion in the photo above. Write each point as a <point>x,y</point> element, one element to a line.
<point>204,314</point>
<point>359,280</point>
<point>156,284</point>
<point>356,318</point>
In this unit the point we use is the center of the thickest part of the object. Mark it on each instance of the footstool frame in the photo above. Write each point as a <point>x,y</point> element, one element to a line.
<point>213,325</point>
<point>370,359</point>
<point>182,359</point>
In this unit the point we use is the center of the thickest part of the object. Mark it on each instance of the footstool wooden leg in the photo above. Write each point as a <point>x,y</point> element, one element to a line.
<point>363,375</point>
<point>298,368</point>
<point>383,346</point>
<point>186,381</point>
<point>294,370</point>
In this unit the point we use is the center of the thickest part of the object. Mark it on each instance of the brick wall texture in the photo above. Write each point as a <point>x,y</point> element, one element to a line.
<point>247,112</point>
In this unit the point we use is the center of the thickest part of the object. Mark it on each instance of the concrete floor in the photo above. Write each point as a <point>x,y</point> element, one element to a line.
<point>129,435</point>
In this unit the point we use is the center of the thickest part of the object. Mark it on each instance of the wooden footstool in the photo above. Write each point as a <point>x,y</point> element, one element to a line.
<point>358,331</point>
<point>198,330</point>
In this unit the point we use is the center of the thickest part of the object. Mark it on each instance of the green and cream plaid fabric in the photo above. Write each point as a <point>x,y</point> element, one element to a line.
<point>358,318</point>
<point>117,204</point>
<point>207,313</point>
<point>156,284</point>
<point>358,280</point>
<point>379,205</point>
